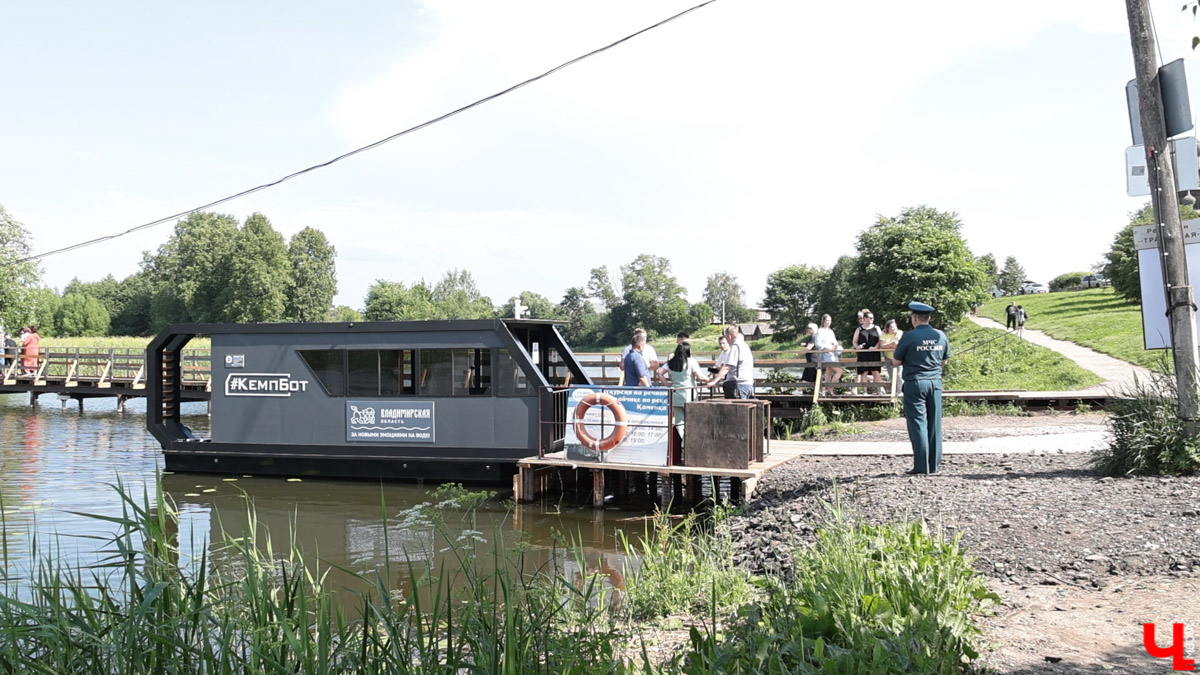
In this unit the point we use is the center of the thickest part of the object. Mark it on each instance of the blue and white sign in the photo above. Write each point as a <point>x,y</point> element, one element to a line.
<point>389,421</point>
<point>618,425</point>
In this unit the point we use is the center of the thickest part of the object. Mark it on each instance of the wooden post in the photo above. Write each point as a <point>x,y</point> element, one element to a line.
<point>597,488</point>
<point>1181,307</point>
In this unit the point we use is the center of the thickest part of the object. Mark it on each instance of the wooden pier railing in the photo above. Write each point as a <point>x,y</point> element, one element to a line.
<point>84,372</point>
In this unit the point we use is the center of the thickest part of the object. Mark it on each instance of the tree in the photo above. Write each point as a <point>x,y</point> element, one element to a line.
<point>392,301</point>
<point>132,317</point>
<point>344,314</point>
<point>1068,280</point>
<point>791,296</point>
<point>80,315</point>
<point>836,300</point>
<point>259,274</point>
<point>651,297</point>
<point>191,273</point>
<point>1011,277</point>
<point>43,303</point>
<point>457,297</point>
<point>699,316</point>
<point>725,295</point>
<point>313,276</point>
<point>537,306</point>
<point>987,263</point>
<point>18,276</point>
<point>918,255</point>
<point>1122,266</point>
<point>585,326</point>
<point>600,287</point>
<point>1121,261</point>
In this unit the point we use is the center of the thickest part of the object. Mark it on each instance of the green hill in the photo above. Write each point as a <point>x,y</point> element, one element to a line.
<point>1095,318</point>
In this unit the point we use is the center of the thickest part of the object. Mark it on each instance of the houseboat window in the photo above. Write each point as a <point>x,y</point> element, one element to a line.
<point>474,367</point>
<point>328,366</point>
<point>510,378</point>
<point>395,372</point>
<point>362,367</point>
<point>437,373</point>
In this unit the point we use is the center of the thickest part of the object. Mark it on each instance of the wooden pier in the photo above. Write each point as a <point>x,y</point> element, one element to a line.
<point>78,373</point>
<point>678,485</point>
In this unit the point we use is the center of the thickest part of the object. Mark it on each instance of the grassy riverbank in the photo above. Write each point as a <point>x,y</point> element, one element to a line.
<point>1096,318</point>
<point>861,601</point>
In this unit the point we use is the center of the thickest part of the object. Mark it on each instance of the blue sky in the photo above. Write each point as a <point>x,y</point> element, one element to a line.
<point>744,137</point>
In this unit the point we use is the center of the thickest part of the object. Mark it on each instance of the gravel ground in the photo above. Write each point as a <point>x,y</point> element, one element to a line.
<point>1080,559</point>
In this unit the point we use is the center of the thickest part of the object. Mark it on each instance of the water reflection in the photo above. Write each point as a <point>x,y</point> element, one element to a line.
<point>362,526</point>
<point>57,463</point>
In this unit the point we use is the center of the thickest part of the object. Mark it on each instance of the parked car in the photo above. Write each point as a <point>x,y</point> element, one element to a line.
<point>1032,287</point>
<point>1095,281</point>
<point>996,292</point>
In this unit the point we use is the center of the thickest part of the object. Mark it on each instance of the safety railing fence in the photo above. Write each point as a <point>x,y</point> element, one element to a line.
<point>783,372</point>
<point>95,366</point>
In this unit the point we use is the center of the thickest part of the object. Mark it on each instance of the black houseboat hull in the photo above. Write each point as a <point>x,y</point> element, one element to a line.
<point>426,400</point>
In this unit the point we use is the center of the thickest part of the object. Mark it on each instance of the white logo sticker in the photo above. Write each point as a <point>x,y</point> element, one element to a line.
<point>280,385</point>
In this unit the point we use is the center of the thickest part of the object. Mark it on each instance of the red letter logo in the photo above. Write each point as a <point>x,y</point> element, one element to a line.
<point>1174,650</point>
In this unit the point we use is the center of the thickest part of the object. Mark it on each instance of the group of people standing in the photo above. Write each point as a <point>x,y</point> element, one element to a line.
<point>26,346</point>
<point>1015,318</point>
<point>733,369</point>
<point>872,343</point>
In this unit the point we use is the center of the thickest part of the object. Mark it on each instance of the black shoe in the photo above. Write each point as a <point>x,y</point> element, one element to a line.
<point>914,472</point>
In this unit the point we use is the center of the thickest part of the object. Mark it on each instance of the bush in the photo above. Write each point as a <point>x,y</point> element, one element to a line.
<point>1068,280</point>
<point>866,599</point>
<point>1148,438</point>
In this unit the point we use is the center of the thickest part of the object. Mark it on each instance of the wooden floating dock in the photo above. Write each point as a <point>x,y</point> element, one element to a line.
<point>681,485</point>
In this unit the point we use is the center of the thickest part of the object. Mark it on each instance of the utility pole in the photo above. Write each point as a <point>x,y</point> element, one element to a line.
<point>1181,307</point>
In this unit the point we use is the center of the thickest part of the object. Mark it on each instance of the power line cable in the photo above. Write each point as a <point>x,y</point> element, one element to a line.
<point>371,146</point>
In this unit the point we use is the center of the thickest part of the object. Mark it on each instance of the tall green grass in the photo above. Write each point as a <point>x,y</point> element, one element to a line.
<point>866,599</point>
<point>1147,435</point>
<point>987,358</point>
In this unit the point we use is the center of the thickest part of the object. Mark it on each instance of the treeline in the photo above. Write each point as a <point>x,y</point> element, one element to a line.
<point>602,311</point>
<point>209,270</point>
<point>917,255</point>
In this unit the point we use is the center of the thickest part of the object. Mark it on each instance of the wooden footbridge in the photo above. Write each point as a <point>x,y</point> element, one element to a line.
<point>78,373</point>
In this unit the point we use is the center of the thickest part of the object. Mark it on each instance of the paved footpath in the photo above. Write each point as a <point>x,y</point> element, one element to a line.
<point>1118,375</point>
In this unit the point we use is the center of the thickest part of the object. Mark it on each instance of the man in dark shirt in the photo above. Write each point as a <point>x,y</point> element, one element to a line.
<point>1010,313</point>
<point>923,352</point>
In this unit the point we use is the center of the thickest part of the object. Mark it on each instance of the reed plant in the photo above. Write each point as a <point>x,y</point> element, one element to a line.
<point>144,608</point>
<point>682,567</point>
<point>866,599</point>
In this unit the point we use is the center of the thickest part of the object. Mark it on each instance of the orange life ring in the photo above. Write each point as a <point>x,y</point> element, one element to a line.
<point>620,425</point>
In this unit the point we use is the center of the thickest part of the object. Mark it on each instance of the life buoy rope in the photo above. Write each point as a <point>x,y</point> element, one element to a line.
<point>619,425</point>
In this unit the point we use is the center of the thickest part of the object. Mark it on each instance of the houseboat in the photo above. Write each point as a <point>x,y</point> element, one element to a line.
<point>418,400</point>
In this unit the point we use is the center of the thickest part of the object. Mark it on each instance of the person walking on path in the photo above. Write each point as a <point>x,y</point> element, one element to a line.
<point>1021,316</point>
<point>1010,314</point>
<point>923,351</point>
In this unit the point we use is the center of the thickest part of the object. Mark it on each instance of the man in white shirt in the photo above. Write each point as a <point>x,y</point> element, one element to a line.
<point>737,374</point>
<point>648,353</point>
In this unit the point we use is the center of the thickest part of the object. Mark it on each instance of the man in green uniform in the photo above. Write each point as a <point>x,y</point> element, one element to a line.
<point>922,352</point>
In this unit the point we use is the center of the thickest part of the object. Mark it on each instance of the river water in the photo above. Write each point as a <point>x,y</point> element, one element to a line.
<point>57,464</point>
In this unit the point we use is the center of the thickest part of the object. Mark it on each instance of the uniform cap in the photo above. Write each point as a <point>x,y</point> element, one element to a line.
<point>920,307</point>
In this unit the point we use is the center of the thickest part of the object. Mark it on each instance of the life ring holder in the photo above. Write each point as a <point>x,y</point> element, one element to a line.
<point>620,421</point>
